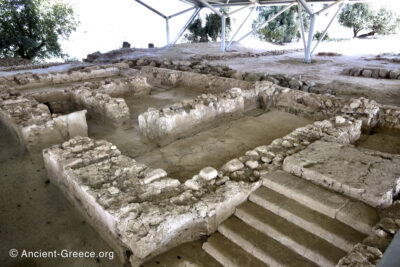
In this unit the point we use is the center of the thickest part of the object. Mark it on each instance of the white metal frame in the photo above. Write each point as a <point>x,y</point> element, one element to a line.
<point>302,4</point>
<point>167,18</point>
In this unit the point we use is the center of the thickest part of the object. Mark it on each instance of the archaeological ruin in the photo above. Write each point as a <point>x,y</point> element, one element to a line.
<point>191,156</point>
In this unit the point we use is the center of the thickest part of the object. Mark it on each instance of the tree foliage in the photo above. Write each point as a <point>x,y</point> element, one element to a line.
<point>31,29</point>
<point>385,22</point>
<point>283,29</point>
<point>360,16</point>
<point>211,30</point>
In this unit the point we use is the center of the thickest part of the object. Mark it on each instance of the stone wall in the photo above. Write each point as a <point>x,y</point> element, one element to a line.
<point>223,71</point>
<point>370,251</point>
<point>372,73</point>
<point>34,126</point>
<point>318,106</point>
<point>28,79</point>
<point>102,106</point>
<point>176,121</point>
<point>100,98</point>
<point>204,83</point>
<point>389,117</point>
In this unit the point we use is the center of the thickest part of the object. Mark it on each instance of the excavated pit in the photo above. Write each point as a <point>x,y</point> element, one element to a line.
<point>181,122</point>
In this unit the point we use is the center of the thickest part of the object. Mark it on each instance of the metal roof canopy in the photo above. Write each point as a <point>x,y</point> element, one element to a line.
<point>197,5</point>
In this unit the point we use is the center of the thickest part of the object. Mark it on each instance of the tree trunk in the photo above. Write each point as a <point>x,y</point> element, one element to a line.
<point>372,33</point>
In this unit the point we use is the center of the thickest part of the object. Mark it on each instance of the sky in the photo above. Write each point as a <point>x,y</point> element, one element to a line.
<point>105,24</point>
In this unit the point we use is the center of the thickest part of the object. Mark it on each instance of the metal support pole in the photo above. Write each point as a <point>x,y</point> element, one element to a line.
<point>152,9</point>
<point>327,27</point>
<point>328,7</point>
<point>239,9</point>
<point>307,58</point>
<point>266,22</point>
<point>186,26</point>
<point>167,29</point>
<point>241,25</point>
<point>303,36</point>
<point>211,7</point>
<point>223,22</point>
<point>181,12</point>
<point>306,7</point>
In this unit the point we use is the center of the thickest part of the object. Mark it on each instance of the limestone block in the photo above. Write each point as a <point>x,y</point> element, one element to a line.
<point>369,176</point>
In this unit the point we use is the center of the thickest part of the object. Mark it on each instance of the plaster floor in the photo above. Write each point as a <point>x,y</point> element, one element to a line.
<point>383,140</point>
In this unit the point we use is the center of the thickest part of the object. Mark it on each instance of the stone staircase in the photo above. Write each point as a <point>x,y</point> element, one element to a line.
<point>290,221</point>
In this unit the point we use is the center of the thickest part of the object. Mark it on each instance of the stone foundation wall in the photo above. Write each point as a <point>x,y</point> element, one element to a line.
<point>102,106</point>
<point>372,73</point>
<point>34,126</point>
<point>318,106</point>
<point>224,72</point>
<point>26,80</point>
<point>204,83</point>
<point>100,98</point>
<point>188,117</point>
<point>389,117</point>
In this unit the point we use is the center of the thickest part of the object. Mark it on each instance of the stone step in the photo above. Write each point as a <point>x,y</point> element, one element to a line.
<point>297,239</point>
<point>367,175</point>
<point>333,231</point>
<point>260,245</point>
<point>228,253</point>
<point>355,214</point>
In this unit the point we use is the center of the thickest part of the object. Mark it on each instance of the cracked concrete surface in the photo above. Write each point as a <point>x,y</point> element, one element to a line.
<point>367,175</point>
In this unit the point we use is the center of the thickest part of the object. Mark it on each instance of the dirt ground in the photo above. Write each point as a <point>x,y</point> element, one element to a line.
<point>326,70</point>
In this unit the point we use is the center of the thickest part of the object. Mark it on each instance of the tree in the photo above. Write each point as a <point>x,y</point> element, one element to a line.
<point>31,29</point>
<point>210,31</point>
<point>283,29</point>
<point>360,17</point>
<point>385,22</point>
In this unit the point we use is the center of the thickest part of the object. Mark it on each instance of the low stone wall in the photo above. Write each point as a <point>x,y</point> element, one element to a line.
<point>222,71</point>
<point>389,117</point>
<point>204,83</point>
<point>102,106</point>
<point>34,126</point>
<point>100,98</point>
<point>370,251</point>
<point>372,73</point>
<point>318,106</point>
<point>188,117</point>
<point>26,80</point>
<point>138,210</point>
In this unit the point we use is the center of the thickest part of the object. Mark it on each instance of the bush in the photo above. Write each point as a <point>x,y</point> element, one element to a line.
<point>318,35</point>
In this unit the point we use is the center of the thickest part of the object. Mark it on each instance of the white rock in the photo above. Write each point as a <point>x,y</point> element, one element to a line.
<point>252,164</point>
<point>208,173</point>
<point>355,105</point>
<point>193,184</point>
<point>113,190</point>
<point>340,120</point>
<point>154,175</point>
<point>286,143</point>
<point>233,165</point>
